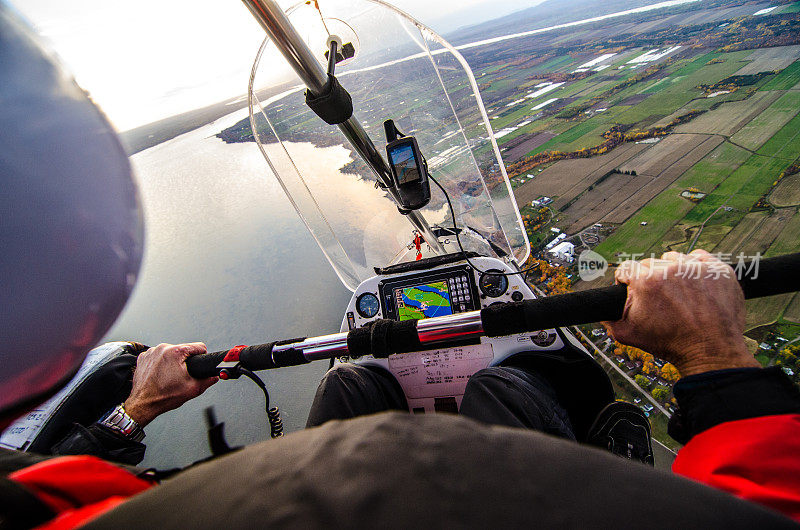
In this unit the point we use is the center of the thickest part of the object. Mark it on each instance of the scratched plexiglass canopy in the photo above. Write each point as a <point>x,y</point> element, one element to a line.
<point>402,71</point>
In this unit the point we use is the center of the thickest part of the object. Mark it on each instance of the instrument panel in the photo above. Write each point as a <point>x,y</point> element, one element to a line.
<point>430,294</point>
<point>445,290</point>
<point>434,380</point>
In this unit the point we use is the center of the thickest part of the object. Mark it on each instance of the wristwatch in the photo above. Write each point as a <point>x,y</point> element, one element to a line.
<point>118,421</point>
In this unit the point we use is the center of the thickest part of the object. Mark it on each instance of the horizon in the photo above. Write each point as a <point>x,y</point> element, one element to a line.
<point>155,70</point>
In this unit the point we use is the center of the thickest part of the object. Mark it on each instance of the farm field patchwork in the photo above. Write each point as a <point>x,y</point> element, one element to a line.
<point>730,117</point>
<point>766,124</point>
<point>618,142</point>
<point>792,311</point>
<point>786,80</point>
<point>775,58</point>
<point>787,192</point>
<point>787,240</point>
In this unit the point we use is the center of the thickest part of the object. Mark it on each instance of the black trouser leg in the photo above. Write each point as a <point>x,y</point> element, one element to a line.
<point>514,397</point>
<point>498,395</point>
<point>351,390</point>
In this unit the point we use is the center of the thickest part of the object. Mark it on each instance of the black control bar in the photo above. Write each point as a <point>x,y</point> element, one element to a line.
<point>381,338</point>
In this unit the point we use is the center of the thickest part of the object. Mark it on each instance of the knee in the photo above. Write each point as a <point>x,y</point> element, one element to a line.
<point>487,379</point>
<point>341,374</point>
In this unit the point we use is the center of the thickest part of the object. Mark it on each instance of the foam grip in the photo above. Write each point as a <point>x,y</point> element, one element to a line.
<point>257,357</point>
<point>383,337</point>
<point>764,277</point>
<point>582,307</point>
<point>205,365</point>
<point>771,276</point>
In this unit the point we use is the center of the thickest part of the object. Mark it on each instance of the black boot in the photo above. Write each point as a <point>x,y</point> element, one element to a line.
<point>623,429</point>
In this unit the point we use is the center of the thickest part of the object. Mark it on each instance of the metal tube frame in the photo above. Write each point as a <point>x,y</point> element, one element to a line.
<point>294,49</point>
<point>431,331</point>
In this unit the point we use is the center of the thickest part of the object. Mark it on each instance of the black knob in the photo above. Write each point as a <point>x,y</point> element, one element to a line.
<point>516,296</point>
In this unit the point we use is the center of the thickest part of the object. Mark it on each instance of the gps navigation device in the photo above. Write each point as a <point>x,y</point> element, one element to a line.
<point>409,171</point>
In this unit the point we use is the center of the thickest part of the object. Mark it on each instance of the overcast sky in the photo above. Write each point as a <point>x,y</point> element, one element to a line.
<point>150,59</point>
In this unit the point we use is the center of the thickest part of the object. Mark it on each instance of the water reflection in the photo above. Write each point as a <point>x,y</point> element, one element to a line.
<point>227,262</point>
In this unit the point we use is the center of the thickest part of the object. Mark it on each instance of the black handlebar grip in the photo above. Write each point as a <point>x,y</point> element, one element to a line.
<point>767,277</point>
<point>256,357</point>
<point>205,365</point>
<point>776,275</point>
<point>569,309</point>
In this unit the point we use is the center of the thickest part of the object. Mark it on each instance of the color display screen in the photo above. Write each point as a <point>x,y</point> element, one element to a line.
<point>423,301</point>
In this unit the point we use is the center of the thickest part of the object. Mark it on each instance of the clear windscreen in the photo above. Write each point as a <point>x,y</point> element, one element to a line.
<point>404,72</point>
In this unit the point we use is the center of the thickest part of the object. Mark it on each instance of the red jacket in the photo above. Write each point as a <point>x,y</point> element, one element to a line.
<point>78,488</point>
<point>756,459</point>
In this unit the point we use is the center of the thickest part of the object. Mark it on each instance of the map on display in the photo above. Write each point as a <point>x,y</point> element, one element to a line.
<point>423,301</point>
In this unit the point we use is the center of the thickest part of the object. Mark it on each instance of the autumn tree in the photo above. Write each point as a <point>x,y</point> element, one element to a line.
<point>660,394</point>
<point>789,357</point>
<point>670,373</point>
<point>635,354</point>
<point>649,367</point>
<point>642,381</point>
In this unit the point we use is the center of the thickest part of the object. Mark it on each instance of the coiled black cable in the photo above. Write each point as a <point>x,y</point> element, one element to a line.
<point>273,414</point>
<point>275,422</point>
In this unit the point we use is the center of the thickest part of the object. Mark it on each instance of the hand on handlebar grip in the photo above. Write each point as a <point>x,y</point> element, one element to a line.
<point>161,381</point>
<point>686,309</point>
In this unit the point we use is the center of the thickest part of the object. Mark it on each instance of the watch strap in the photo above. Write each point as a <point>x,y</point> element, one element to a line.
<point>120,422</point>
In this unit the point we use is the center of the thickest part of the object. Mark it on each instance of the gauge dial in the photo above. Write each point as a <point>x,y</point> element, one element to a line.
<point>493,285</point>
<point>367,305</point>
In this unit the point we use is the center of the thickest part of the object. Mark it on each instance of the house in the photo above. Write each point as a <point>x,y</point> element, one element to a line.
<point>598,332</point>
<point>564,251</point>
<point>556,241</point>
<point>765,346</point>
<point>630,365</point>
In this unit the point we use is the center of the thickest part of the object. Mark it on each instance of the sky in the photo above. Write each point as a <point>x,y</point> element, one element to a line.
<point>147,60</point>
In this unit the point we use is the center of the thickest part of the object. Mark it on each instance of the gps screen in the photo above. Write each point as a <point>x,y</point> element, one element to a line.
<point>405,163</point>
<point>423,301</point>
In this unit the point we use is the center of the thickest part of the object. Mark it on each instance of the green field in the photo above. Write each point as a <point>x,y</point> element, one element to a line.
<point>786,80</point>
<point>789,239</point>
<point>662,213</point>
<point>761,128</point>
<point>729,176</point>
<point>784,144</point>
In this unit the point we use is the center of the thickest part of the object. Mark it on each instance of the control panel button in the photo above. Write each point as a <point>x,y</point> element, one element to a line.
<point>516,296</point>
